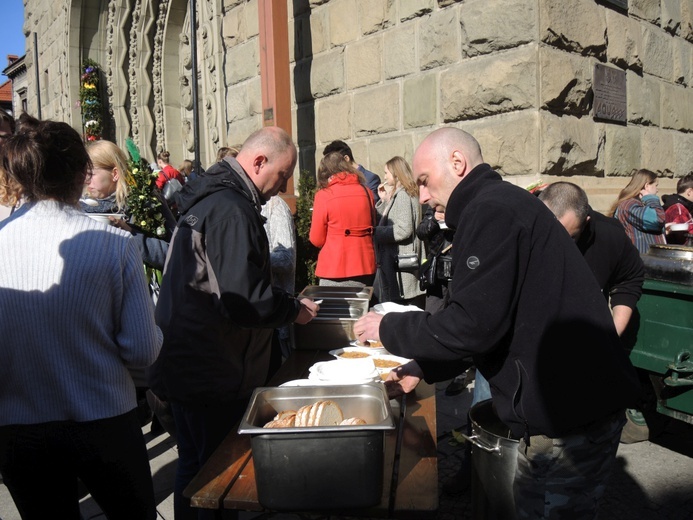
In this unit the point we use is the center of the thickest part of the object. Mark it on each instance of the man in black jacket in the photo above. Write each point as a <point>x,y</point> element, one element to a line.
<point>525,306</point>
<point>217,307</point>
<point>612,257</point>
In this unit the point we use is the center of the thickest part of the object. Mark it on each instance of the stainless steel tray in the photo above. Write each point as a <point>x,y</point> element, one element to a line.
<point>368,401</point>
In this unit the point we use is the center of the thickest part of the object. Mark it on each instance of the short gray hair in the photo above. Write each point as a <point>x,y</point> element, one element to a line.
<point>561,197</point>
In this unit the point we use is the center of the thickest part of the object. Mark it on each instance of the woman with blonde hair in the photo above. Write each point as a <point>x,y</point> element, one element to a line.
<point>639,210</point>
<point>342,224</point>
<point>398,250</point>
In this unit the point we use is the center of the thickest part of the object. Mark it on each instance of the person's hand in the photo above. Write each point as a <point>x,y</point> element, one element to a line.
<point>120,223</point>
<point>403,379</point>
<point>439,216</point>
<point>649,189</point>
<point>384,191</point>
<point>368,327</point>
<point>309,310</point>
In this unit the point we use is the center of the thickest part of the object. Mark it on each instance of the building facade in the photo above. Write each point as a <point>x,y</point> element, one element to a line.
<point>551,88</point>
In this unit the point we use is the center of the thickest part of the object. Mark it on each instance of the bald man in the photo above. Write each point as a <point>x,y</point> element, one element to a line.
<point>525,306</point>
<point>217,307</point>
<point>610,254</point>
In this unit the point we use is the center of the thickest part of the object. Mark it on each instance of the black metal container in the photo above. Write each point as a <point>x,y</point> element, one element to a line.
<point>319,468</point>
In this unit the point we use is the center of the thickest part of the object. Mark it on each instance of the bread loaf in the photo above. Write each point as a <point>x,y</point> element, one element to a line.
<point>320,413</point>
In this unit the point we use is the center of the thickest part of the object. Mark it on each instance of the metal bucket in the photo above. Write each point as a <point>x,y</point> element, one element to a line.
<point>494,461</point>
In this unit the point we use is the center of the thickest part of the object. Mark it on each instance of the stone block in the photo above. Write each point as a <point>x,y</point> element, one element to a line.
<point>242,62</point>
<point>565,81</point>
<point>683,153</point>
<point>230,4</point>
<point>237,103</point>
<point>569,146</point>
<point>658,150</point>
<point>683,60</point>
<point>254,87</point>
<point>233,28</point>
<point>363,62</point>
<point>399,55</point>
<point>333,118</point>
<point>382,149</point>
<point>240,130</point>
<point>438,40</point>
<point>657,53</point>
<point>625,41</point>
<point>643,98</point>
<point>686,29</point>
<point>326,74</point>
<point>492,26</point>
<point>376,110</point>
<point>622,150</point>
<point>445,3</point>
<point>344,25</point>
<point>252,20</point>
<point>509,142</point>
<point>376,15</point>
<point>420,101</point>
<point>578,26</point>
<point>671,16</point>
<point>304,132</point>
<point>648,10</point>
<point>675,107</point>
<point>489,85</point>
<point>409,9</point>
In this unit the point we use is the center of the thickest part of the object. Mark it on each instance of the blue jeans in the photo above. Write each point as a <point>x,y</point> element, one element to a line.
<point>482,390</point>
<point>199,431</point>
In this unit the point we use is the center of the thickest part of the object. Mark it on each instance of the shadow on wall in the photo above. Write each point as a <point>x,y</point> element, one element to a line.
<point>305,103</point>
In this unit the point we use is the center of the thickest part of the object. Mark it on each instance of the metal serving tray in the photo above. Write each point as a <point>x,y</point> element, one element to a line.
<point>319,468</point>
<point>333,327</point>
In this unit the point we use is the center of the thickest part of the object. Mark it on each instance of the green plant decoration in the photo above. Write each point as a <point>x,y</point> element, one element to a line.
<point>90,101</point>
<point>143,203</point>
<point>306,253</point>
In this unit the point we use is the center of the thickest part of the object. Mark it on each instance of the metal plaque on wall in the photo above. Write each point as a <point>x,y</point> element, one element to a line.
<point>609,86</point>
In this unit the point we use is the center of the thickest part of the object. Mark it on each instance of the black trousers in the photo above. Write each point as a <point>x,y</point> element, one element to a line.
<point>41,464</point>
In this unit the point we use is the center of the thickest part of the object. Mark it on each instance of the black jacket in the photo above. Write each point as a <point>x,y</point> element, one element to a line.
<point>525,305</point>
<point>217,306</point>
<point>614,260</point>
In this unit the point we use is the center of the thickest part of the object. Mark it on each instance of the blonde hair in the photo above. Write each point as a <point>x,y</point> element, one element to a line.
<point>186,167</point>
<point>334,164</point>
<point>401,171</point>
<point>10,189</point>
<point>638,181</point>
<point>107,155</point>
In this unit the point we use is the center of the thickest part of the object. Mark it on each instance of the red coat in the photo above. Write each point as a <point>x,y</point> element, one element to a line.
<point>342,227</point>
<point>172,173</point>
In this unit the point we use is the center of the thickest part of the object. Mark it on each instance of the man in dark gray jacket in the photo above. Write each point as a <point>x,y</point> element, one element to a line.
<point>217,307</point>
<point>525,306</point>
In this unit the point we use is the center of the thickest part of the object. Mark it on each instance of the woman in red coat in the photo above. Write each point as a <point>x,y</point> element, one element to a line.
<point>342,225</point>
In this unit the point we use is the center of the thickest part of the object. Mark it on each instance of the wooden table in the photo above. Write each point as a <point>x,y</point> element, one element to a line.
<point>410,477</point>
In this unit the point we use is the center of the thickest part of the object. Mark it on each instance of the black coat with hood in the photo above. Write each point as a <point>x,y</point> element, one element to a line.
<point>525,305</point>
<point>217,307</point>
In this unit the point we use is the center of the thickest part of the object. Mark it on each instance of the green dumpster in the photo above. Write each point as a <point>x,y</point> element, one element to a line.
<point>663,349</point>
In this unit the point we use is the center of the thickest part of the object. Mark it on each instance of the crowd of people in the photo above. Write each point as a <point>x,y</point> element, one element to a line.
<point>520,286</point>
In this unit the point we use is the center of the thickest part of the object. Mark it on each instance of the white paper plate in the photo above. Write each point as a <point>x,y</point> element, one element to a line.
<point>385,307</point>
<point>389,357</point>
<point>366,350</point>
<point>678,227</point>
<point>344,371</point>
<point>308,382</point>
<point>376,350</point>
<point>104,217</point>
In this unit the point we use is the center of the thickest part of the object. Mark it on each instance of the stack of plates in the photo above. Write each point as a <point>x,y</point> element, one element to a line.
<point>345,371</point>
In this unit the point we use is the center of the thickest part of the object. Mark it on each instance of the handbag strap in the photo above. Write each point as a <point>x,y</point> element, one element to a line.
<point>372,204</point>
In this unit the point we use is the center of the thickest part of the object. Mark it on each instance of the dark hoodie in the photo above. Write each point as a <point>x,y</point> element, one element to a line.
<point>217,306</point>
<point>669,200</point>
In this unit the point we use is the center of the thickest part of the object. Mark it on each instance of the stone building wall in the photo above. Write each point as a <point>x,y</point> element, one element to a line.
<point>517,74</point>
<point>381,74</point>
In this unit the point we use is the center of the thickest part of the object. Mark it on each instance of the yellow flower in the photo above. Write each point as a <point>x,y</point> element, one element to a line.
<point>141,197</point>
<point>143,223</point>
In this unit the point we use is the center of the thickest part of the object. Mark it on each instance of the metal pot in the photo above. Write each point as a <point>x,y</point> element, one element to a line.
<point>494,461</point>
